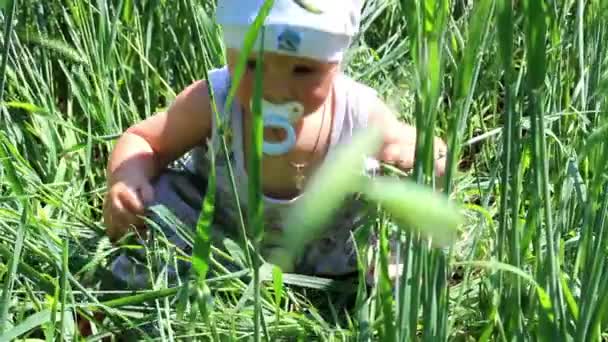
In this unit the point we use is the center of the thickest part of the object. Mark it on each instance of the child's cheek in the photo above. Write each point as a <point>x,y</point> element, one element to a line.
<point>314,97</point>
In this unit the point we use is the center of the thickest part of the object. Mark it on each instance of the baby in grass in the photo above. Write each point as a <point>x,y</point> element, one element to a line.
<point>309,108</point>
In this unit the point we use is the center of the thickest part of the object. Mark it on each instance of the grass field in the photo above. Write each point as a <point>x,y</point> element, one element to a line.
<point>518,89</point>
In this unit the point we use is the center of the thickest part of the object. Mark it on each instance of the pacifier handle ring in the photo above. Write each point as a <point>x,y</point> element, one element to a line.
<point>279,148</point>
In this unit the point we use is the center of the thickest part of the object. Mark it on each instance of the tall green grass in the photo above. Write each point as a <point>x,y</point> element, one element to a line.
<point>518,90</point>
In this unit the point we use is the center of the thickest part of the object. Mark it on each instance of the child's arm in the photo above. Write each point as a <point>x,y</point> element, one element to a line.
<point>399,146</point>
<point>148,147</point>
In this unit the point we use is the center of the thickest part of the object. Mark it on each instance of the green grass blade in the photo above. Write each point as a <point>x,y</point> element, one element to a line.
<point>510,185</point>
<point>277,285</point>
<point>254,162</point>
<point>201,250</point>
<point>389,332</point>
<point>75,73</point>
<point>32,322</point>
<point>536,29</point>
<point>466,84</point>
<point>597,267</point>
<point>6,154</point>
<point>11,5</point>
<point>36,277</point>
<point>64,290</point>
<point>7,290</point>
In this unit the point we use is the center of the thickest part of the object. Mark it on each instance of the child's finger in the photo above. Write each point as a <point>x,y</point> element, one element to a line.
<point>107,217</point>
<point>440,167</point>
<point>440,161</point>
<point>114,220</point>
<point>406,156</point>
<point>118,219</point>
<point>119,224</point>
<point>391,154</point>
<point>131,201</point>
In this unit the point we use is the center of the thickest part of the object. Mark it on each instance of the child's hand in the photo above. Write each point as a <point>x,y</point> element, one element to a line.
<point>125,204</point>
<point>399,147</point>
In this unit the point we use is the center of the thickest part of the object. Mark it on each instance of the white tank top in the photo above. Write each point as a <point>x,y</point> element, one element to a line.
<point>352,101</point>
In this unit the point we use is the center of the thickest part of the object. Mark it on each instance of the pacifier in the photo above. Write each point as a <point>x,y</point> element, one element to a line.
<point>281,116</point>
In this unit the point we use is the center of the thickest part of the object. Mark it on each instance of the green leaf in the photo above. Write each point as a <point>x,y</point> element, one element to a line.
<point>535,42</point>
<point>202,242</point>
<point>65,271</point>
<point>385,288</point>
<point>596,137</point>
<point>570,299</point>
<point>236,252</point>
<point>504,20</point>
<point>7,150</point>
<point>277,284</point>
<point>543,296</point>
<point>254,166</point>
<point>9,281</point>
<point>204,299</point>
<point>478,28</point>
<point>43,281</point>
<point>32,322</point>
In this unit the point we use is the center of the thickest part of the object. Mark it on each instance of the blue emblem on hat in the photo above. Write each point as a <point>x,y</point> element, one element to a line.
<point>289,40</point>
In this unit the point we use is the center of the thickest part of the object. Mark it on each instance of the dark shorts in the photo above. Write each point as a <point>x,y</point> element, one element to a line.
<point>171,220</point>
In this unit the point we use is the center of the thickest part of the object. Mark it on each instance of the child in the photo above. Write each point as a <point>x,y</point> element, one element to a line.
<point>309,108</point>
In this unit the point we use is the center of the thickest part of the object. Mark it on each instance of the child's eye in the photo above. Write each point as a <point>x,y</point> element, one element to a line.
<point>303,70</point>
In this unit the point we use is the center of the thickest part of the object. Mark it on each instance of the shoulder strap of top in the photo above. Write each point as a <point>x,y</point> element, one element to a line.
<point>219,82</point>
<point>353,103</point>
<point>360,98</point>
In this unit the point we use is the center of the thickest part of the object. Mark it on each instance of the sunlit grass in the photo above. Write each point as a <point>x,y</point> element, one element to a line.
<point>517,89</point>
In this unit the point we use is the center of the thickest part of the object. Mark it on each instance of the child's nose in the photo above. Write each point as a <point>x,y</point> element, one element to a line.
<point>276,89</point>
<point>276,95</point>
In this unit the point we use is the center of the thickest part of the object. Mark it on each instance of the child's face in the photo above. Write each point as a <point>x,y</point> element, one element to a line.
<point>287,78</point>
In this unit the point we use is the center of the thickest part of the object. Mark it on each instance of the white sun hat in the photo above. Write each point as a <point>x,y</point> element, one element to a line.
<point>292,29</point>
